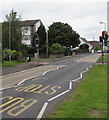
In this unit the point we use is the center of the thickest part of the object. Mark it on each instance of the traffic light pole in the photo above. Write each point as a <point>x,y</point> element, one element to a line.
<point>102,55</point>
<point>37,54</point>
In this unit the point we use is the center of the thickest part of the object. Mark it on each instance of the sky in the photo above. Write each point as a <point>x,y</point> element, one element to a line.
<point>82,15</point>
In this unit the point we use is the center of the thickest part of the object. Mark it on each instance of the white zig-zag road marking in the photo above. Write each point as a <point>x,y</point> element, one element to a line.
<point>31,77</point>
<point>59,95</point>
<point>42,111</point>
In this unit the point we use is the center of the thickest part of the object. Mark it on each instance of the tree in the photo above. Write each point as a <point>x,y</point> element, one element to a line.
<point>63,34</point>
<point>41,36</point>
<point>12,25</point>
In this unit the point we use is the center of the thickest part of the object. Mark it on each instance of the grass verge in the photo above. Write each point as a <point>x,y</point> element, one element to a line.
<point>14,62</point>
<point>89,100</point>
<point>11,64</point>
<point>105,59</point>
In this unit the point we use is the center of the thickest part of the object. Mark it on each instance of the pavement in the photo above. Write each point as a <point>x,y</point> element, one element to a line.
<point>20,67</point>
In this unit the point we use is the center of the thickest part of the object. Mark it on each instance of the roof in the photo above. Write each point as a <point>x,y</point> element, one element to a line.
<point>84,40</point>
<point>29,22</point>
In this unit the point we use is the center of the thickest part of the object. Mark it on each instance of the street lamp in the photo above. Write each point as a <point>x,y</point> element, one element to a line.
<point>47,42</point>
<point>104,25</point>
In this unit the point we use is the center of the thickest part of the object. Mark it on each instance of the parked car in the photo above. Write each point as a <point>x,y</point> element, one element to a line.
<point>99,51</point>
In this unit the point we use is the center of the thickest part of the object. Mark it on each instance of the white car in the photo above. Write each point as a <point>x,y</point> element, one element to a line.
<point>99,51</point>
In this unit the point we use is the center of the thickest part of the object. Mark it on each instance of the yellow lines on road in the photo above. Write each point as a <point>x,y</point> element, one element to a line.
<point>15,106</point>
<point>1,92</point>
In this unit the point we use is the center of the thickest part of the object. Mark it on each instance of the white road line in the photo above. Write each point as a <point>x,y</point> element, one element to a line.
<point>58,95</point>
<point>31,77</point>
<point>7,88</point>
<point>53,69</point>
<point>42,111</point>
<point>26,80</point>
<point>70,86</point>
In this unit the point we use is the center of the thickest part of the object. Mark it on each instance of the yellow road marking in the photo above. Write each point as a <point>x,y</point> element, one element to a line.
<point>1,92</point>
<point>19,100</point>
<point>12,112</point>
<point>11,103</point>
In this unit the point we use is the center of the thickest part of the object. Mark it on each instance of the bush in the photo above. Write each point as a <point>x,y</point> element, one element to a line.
<point>84,47</point>
<point>6,53</point>
<point>14,54</point>
<point>56,49</point>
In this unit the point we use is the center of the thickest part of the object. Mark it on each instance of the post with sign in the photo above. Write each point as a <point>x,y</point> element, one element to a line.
<point>37,46</point>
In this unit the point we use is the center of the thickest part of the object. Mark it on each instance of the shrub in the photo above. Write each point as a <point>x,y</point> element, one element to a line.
<point>56,49</point>
<point>14,54</point>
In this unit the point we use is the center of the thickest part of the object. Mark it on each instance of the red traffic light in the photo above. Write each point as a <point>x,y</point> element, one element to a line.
<point>104,33</point>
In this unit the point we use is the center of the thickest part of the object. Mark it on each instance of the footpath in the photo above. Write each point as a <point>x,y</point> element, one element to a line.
<point>8,70</point>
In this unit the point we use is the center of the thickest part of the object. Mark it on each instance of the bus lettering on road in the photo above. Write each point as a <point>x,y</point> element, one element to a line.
<point>15,106</point>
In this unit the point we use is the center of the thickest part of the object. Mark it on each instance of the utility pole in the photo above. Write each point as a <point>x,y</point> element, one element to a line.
<point>47,42</point>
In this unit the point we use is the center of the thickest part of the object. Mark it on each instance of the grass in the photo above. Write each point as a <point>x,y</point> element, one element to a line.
<point>89,100</point>
<point>14,62</point>
<point>105,59</point>
<point>11,64</point>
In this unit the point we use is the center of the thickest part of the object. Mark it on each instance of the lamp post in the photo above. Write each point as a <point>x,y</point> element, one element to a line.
<point>10,40</point>
<point>47,42</point>
<point>103,42</point>
<point>104,25</point>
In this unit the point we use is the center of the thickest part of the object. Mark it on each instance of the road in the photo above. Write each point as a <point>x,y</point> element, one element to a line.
<point>36,93</point>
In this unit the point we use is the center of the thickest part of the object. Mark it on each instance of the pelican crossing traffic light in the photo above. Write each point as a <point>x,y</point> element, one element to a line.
<point>101,40</point>
<point>105,37</point>
<point>37,42</point>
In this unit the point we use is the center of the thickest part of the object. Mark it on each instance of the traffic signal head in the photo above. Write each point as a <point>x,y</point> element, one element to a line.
<point>37,42</point>
<point>105,42</point>
<point>101,40</point>
<point>105,35</point>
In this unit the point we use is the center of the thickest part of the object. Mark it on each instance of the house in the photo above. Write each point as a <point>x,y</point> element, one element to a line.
<point>84,41</point>
<point>29,28</point>
<point>95,45</point>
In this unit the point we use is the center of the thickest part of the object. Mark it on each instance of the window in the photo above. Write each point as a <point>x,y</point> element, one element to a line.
<point>25,30</point>
<point>26,37</point>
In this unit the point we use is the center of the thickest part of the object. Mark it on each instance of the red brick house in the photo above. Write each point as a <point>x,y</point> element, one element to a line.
<point>95,44</point>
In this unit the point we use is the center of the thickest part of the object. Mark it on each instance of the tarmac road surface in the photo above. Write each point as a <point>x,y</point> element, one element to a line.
<point>37,92</point>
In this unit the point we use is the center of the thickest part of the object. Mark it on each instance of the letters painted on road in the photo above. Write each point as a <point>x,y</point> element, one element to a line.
<point>15,106</point>
<point>39,89</point>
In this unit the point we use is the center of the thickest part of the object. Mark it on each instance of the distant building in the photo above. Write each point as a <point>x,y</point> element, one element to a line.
<point>29,28</point>
<point>84,41</point>
<point>95,45</point>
